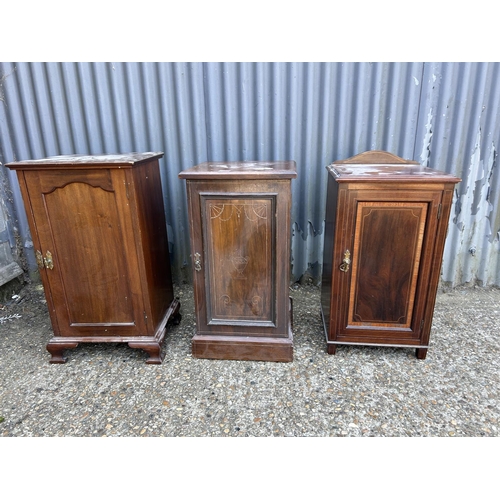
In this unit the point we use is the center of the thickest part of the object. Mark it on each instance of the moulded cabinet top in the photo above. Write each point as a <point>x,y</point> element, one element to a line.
<point>241,170</point>
<point>125,160</point>
<point>380,166</point>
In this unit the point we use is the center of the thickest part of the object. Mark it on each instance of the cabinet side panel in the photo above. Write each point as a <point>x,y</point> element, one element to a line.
<point>437,258</point>
<point>154,240</point>
<point>329,238</point>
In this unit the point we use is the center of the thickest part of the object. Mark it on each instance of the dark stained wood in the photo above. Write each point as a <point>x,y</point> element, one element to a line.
<point>101,221</point>
<point>392,221</point>
<point>56,351</point>
<point>379,167</point>
<point>153,245</point>
<point>387,250</point>
<point>331,348</point>
<point>76,162</point>
<point>239,170</point>
<point>330,217</point>
<point>79,224</point>
<point>240,246</point>
<point>378,157</point>
<point>238,348</point>
<point>240,285</point>
<point>421,353</point>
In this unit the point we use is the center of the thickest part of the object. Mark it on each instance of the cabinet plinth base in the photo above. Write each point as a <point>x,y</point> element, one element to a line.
<point>420,352</point>
<point>150,344</point>
<point>243,348</point>
<point>279,349</point>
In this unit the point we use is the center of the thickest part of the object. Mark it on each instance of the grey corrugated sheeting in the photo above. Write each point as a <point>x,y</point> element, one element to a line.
<point>461,112</point>
<point>444,115</point>
<point>9,268</point>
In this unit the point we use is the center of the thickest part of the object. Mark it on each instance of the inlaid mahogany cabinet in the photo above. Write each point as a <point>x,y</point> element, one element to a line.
<point>386,223</point>
<point>99,233</point>
<point>240,245</point>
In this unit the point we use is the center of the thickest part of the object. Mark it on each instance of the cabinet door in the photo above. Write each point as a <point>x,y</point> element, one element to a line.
<point>392,236</point>
<point>82,220</point>
<point>239,251</point>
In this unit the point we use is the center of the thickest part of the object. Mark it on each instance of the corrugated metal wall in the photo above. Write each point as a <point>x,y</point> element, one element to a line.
<point>444,115</point>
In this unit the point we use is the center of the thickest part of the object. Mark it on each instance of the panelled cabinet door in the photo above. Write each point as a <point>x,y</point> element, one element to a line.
<point>87,257</point>
<point>239,237</point>
<point>393,237</point>
<point>241,257</point>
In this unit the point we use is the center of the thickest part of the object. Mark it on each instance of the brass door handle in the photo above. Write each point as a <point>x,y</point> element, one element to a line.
<point>197,261</point>
<point>344,267</point>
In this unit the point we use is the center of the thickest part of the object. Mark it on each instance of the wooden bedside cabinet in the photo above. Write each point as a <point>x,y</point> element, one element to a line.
<point>99,233</point>
<point>386,223</point>
<point>240,244</point>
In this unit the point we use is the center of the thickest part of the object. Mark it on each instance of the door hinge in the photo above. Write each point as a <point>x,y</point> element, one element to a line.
<point>422,324</point>
<point>46,261</point>
<point>39,259</point>
<point>440,208</point>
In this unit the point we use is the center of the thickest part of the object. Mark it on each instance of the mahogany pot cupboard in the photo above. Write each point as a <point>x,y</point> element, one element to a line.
<point>240,242</point>
<point>385,229</point>
<point>99,233</point>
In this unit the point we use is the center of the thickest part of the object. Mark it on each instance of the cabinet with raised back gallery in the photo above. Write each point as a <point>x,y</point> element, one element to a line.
<point>100,239</point>
<point>385,229</point>
<point>240,247</point>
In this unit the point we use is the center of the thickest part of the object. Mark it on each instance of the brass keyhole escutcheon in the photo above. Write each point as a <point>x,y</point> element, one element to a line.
<point>344,267</point>
<point>197,261</point>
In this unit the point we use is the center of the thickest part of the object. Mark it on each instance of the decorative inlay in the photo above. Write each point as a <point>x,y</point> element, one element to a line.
<point>240,229</point>
<point>257,305</point>
<point>225,300</point>
<point>225,211</point>
<point>240,263</point>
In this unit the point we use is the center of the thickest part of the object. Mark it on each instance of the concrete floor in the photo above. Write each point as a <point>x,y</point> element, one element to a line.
<point>361,391</point>
<point>108,391</point>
